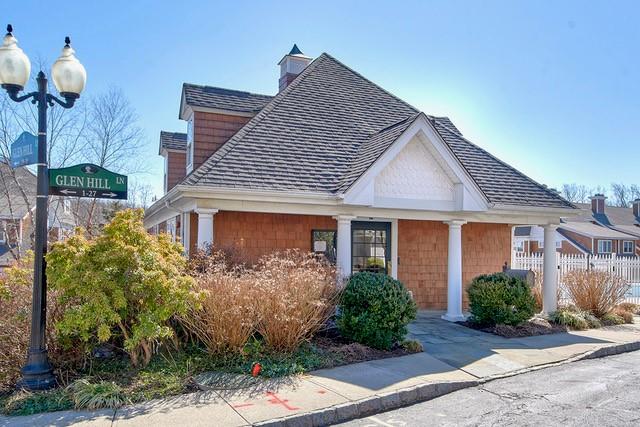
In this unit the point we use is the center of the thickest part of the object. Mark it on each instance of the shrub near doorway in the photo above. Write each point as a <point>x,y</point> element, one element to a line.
<point>375,310</point>
<point>499,299</point>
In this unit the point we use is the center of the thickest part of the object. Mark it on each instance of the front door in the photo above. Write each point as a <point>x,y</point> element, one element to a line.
<point>371,247</point>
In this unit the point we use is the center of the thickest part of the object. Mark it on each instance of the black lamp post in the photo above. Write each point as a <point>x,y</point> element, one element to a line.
<point>69,77</point>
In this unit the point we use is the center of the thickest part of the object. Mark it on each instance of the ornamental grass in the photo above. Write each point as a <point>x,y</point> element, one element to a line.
<point>284,299</point>
<point>597,292</point>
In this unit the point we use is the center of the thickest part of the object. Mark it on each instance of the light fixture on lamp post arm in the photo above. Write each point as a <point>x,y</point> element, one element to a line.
<point>69,77</point>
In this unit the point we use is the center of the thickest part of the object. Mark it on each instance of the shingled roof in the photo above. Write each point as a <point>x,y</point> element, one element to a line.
<point>223,99</point>
<point>173,141</point>
<point>329,126</point>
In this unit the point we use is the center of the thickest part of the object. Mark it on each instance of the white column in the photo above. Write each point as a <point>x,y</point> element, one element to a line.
<point>343,245</point>
<point>549,271</point>
<point>454,272</point>
<point>205,227</point>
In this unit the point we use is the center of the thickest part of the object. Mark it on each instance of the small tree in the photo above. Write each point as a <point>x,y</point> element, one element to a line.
<point>124,283</point>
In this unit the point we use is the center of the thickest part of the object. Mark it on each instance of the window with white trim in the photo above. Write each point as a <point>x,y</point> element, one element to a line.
<point>605,246</point>
<point>519,246</point>
<point>190,145</point>
<point>628,247</point>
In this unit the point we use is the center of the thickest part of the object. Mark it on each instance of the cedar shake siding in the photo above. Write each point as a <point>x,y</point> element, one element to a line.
<point>176,170</point>
<point>422,252</point>
<point>211,131</point>
<point>257,234</point>
<point>422,246</point>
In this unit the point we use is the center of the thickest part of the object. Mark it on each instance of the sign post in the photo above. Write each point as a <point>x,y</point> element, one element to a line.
<point>87,180</point>
<point>24,150</point>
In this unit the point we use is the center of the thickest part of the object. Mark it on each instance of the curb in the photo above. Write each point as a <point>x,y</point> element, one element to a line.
<point>421,393</point>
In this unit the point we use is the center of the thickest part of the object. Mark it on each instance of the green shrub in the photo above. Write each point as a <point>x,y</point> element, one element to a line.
<point>593,321</point>
<point>28,403</point>
<point>375,310</point>
<point>500,299</point>
<point>125,283</point>
<point>103,394</point>
<point>612,319</point>
<point>572,319</point>
<point>412,346</point>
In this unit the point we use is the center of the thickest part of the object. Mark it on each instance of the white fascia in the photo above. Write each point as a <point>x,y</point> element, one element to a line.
<point>469,197</point>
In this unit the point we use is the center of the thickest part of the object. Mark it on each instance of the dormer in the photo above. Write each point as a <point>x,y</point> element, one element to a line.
<point>214,115</point>
<point>173,147</point>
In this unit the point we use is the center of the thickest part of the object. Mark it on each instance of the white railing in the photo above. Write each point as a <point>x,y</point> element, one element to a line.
<point>626,267</point>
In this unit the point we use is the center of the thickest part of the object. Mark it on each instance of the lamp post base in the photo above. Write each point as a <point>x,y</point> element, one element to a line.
<point>37,374</point>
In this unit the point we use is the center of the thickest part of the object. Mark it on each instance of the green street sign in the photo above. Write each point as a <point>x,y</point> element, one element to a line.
<point>87,180</point>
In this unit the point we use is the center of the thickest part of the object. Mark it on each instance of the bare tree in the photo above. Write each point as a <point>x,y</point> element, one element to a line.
<point>103,131</point>
<point>621,195</point>
<point>575,193</point>
<point>114,139</point>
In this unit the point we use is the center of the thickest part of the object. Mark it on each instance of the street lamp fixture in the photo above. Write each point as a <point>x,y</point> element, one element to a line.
<point>69,77</point>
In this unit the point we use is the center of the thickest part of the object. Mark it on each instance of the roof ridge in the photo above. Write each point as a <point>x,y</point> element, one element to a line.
<point>541,186</point>
<point>373,83</point>
<point>251,124</point>
<point>226,89</point>
<point>399,122</point>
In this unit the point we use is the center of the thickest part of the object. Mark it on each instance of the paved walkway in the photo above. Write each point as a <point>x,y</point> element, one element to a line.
<point>452,353</point>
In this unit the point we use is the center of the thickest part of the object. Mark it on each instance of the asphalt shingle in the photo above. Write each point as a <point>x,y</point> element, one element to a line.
<point>173,140</point>
<point>224,99</point>
<point>329,126</point>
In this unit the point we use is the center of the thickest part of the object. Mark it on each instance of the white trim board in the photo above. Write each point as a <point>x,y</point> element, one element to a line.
<point>468,196</point>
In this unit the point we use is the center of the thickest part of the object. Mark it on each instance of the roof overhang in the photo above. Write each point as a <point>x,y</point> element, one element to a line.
<point>183,198</point>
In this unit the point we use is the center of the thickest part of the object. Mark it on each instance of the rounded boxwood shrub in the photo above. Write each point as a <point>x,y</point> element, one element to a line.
<point>500,299</point>
<point>375,310</point>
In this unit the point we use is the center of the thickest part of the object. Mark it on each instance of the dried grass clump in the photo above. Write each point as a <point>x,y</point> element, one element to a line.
<point>226,316</point>
<point>285,298</point>
<point>597,292</point>
<point>536,290</point>
<point>16,284</point>
<point>297,294</point>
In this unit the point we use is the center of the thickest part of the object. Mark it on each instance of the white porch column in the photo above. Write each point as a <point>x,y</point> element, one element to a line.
<point>454,272</point>
<point>549,271</point>
<point>343,244</point>
<point>205,227</point>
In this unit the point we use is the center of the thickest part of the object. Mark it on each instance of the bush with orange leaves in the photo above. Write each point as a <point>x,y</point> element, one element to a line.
<point>597,292</point>
<point>285,298</point>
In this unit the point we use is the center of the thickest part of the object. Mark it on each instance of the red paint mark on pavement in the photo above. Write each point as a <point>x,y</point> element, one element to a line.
<point>277,401</point>
<point>321,391</point>
<point>242,405</point>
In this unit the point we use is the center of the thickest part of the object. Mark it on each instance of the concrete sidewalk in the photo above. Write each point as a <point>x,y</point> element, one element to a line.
<point>455,357</point>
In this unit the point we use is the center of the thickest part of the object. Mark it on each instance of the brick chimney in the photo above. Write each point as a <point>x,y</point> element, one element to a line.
<point>291,65</point>
<point>597,203</point>
<point>636,208</point>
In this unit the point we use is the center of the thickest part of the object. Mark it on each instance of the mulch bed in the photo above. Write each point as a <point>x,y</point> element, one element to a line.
<point>530,328</point>
<point>348,352</point>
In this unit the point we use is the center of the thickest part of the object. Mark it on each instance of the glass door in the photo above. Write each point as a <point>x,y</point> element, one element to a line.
<point>371,247</point>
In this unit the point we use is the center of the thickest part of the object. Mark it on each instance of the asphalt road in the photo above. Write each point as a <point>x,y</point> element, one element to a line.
<point>599,392</point>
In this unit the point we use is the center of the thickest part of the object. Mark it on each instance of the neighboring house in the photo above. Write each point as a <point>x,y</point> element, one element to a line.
<point>529,239</point>
<point>17,209</point>
<point>334,163</point>
<point>596,230</point>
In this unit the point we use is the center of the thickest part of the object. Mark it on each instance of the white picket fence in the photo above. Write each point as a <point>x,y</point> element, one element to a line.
<point>627,267</point>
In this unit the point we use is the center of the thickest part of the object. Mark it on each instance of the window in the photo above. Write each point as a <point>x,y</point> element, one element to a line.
<point>324,242</point>
<point>519,246</point>
<point>628,247</point>
<point>371,247</point>
<point>190,145</point>
<point>604,246</point>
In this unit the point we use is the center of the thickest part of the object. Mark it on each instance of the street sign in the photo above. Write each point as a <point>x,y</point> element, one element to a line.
<point>87,180</point>
<point>24,150</point>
